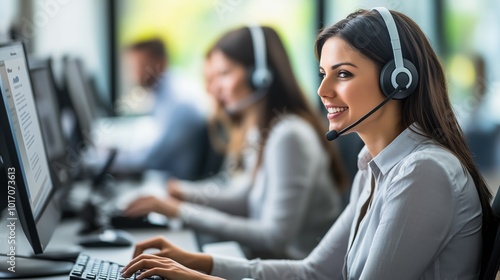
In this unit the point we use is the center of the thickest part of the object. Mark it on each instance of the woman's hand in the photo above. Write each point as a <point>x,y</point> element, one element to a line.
<point>197,261</point>
<point>144,205</point>
<point>166,249</point>
<point>174,190</point>
<point>164,267</point>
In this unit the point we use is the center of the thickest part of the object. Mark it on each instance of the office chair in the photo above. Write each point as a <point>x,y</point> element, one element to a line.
<point>492,265</point>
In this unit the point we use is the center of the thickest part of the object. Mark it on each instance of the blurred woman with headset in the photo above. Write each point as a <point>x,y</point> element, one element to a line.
<point>419,208</point>
<point>283,183</point>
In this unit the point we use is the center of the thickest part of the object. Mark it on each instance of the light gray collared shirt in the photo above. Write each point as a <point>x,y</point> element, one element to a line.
<point>289,206</point>
<point>424,222</point>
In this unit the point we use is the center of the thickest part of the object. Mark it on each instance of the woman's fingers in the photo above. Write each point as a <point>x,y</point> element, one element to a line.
<point>141,262</point>
<point>174,271</point>
<point>132,262</point>
<point>150,265</point>
<point>162,272</point>
<point>155,242</point>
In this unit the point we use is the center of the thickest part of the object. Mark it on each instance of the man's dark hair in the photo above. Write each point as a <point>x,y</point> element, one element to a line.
<point>155,47</point>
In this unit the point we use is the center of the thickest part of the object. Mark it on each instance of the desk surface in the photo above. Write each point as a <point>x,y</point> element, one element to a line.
<point>66,236</point>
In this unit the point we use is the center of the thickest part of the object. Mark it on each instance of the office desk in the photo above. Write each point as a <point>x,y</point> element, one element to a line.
<point>66,236</point>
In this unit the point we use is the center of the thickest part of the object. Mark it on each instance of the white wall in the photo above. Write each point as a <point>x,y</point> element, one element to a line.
<point>8,12</point>
<point>71,27</point>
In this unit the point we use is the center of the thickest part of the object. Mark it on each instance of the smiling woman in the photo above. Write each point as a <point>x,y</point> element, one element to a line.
<point>350,78</point>
<point>418,201</point>
<point>350,89</point>
<point>232,79</point>
<point>390,169</point>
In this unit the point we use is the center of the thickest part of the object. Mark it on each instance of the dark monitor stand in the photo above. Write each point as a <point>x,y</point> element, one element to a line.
<point>97,225</point>
<point>13,266</point>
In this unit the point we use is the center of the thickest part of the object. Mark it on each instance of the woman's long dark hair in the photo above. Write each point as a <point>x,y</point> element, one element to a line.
<point>284,95</point>
<point>429,105</point>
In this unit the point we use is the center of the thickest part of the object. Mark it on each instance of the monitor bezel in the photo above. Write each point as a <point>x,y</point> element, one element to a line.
<point>57,162</point>
<point>84,113</point>
<point>38,230</point>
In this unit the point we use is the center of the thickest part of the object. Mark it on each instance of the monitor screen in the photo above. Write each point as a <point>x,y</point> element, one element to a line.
<point>80,95</point>
<point>26,160</point>
<point>48,111</point>
<point>50,120</point>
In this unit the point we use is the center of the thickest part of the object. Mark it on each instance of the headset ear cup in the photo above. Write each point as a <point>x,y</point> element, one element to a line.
<point>259,80</point>
<point>415,78</point>
<point>250,78</point>
<point>385,79</point>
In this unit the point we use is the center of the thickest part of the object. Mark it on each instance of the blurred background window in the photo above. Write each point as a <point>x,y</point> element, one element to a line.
<point>188,29</point>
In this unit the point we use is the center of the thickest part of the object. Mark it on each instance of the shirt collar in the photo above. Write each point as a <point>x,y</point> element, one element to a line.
<point>364,158</point>
<point>398,149</point>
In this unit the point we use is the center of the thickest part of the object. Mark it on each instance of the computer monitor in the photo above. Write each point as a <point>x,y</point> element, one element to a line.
<point>27,156</point>
<point>32,199</point>
<point>61,166</point>
<point>83,102</point>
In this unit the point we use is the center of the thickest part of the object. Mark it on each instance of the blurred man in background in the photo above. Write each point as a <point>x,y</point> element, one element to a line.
<point>172,143</point>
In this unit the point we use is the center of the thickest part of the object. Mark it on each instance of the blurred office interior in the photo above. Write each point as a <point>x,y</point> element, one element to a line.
<point>465,34</point>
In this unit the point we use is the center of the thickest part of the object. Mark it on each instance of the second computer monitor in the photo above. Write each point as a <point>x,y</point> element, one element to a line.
<point>83,103</point>
<point>61,164</point>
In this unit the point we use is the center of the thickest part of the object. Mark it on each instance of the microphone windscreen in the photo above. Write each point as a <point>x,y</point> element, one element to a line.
<point>332,135</point>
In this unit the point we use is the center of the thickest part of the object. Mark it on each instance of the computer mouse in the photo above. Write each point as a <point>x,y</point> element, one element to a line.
<point>107,238</point>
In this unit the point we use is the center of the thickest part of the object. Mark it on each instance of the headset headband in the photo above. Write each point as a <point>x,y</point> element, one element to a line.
<point>396,46</point>
<point>261,76</point>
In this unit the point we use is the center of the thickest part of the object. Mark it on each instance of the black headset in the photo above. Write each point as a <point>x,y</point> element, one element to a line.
<point>260,77</point>
<point>398,72</point>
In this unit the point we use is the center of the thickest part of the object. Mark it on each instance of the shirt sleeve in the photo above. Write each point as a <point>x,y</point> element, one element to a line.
<point>410,233</point>
<point>225,194</point>
<point>324,262</point>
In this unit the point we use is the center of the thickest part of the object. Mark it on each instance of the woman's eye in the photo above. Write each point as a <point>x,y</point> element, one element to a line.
<point>321,75</point>
<point>344,74</point>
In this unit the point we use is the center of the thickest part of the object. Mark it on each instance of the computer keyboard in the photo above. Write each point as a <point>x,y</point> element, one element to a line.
<point>90,268</point>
